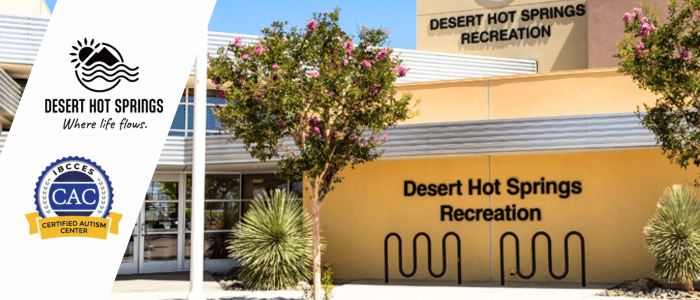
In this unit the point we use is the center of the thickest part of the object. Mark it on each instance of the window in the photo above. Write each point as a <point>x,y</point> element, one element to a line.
<point>227,197</point>
<point>183,122</point>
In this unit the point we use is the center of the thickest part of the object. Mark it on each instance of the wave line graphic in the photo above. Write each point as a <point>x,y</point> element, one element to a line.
<point>110,74</point>
<point>106,67</point>
<point>110,80</point>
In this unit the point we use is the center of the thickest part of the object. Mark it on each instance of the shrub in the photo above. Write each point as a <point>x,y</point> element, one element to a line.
<point>273,242</point>
<point>673,237</point>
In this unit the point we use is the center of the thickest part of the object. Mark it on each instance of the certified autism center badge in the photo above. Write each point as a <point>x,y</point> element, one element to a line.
<point>73,197</point>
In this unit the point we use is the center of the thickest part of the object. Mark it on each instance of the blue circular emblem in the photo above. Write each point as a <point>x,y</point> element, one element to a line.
<point>73,186</point>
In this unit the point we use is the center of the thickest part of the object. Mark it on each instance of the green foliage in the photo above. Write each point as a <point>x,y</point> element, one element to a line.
<point>673,236</point>
<point>663,58</point>
<point>309,98</point>
<point>327,282</point>
<point>273,242</point>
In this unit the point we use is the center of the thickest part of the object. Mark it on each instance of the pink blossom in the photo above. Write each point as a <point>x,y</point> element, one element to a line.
<point>245,56</point>
<point>238,41</point>
<point>638,49</point>
<point>345,62</point>
<point>636,11</point>
<point>373,138</point>
<point>304,134</point>
<point>313,73</point>
<point>626,17</point>
<point>653,27</point>
<point>381,54</point>
<point>684,54</point>
<point>644,20</point>
<point>384,138</point>
<point>366,64</point>
<point>207,53</point>
<point>330,93</point>
<point>281,126</point>
<point>216,81</point>
<point>275,66</point>
<point>259,50</point>
<point>312,25</point>
<point>388,31</point>
<point>221,95</point>
<point>317,131</point>
<point>262,88</point>
<point>376,90</point>
<point>646,29</point>
<point>401,71</point>
<point>348,47</point>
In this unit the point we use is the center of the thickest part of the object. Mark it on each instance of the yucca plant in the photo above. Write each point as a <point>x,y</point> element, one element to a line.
<point>273,242</point>
<point>673,237</point>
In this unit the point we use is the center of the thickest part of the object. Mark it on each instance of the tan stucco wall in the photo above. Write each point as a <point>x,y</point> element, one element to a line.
<point>564,93</point>
<point>25,7</point>
<point>620,190</point>
<point>565,49</point>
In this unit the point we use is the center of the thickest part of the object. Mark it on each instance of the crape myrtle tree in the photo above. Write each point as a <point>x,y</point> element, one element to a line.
<point>663,58</point>
<point>312,99</point>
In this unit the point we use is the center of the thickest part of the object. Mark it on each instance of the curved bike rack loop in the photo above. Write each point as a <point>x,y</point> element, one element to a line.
<point>430,258</point>
<point>549,247</point>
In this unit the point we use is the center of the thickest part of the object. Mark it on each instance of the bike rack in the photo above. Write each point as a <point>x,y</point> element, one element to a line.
<point>430,258</point>
<point>549,246</point>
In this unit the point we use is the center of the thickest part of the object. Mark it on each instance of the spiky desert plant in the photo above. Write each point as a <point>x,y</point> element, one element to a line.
<point>273,242</point>
<point>673,237</point>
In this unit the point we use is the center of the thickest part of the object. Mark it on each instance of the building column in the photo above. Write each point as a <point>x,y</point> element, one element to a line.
<point>198,169</point>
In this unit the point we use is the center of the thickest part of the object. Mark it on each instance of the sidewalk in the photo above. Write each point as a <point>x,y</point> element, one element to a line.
<point>175,286</point>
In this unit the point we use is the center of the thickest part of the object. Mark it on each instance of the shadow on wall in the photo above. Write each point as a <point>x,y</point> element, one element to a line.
<point>493,4</point>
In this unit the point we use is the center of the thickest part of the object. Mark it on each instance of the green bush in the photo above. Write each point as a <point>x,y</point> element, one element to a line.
<point>673,237</point>
<point>273,243</point>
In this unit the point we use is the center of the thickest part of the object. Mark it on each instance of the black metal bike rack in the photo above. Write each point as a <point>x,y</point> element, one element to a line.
<point>549,246</point>
<point>430,257</point>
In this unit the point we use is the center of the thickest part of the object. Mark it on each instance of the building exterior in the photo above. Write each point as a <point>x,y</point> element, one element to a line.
<point>516,135</point>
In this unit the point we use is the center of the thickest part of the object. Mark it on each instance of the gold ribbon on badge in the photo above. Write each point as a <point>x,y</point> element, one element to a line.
<point>72,226</point>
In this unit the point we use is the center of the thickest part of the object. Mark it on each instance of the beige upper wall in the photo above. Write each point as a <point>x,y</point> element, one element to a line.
<point>564,48</point>
<point>25,7</point>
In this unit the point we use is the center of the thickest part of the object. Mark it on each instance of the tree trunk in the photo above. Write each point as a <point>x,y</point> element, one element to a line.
<point>316,256</point>
<point>687,286</point>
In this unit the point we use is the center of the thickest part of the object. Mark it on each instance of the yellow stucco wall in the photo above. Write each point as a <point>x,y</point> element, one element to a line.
<point>566,93</point>
<point>620,190</point>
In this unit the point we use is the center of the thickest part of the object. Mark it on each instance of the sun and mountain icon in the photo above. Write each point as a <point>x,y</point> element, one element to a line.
<point>100,67</point>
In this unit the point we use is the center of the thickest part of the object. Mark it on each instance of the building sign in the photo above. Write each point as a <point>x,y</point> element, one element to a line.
<point>554,33</point>
<point>511,186</point>
<point>529,27</point>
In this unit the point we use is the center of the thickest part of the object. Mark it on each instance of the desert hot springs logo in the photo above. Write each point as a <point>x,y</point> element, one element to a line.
<point>73,198</point>
<point>100,67</point>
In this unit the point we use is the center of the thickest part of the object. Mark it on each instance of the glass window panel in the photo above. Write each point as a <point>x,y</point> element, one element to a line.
<point>179,120</point>
<point>212,122</point>
<point>215,244</point>
<point>129,253</point>
<point>258,184</point>
<point>217,215</point>
<point>160,247</point>
<point>218,187</point>
<point>175,133</point>
<point>297,188</point>
<point>163,190</point>
<point>161,217</point>
<point>190,117</point>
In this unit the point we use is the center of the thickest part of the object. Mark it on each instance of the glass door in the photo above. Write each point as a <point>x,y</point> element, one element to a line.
<point>155,239</point>
<point>160,226</point>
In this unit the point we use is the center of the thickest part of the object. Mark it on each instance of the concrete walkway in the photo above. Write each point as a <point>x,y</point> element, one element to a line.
<point>175,286</point>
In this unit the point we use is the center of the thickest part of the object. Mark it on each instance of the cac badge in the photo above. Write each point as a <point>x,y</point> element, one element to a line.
<point>73,197</point>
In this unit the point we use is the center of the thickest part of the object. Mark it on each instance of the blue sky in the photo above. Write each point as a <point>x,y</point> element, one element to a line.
<point>249,17</point>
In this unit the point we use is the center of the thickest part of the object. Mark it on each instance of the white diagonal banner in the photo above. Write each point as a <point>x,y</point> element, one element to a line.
<point>86,139</point>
